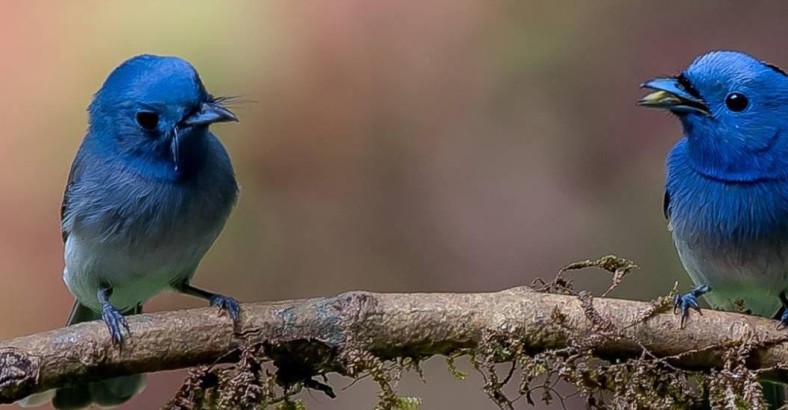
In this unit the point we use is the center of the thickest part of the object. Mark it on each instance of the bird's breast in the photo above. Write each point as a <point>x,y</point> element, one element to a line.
<point>732,236</point>
<point>139,234</point>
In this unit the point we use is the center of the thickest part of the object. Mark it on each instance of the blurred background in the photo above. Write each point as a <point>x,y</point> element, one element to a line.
<point>449,145</point>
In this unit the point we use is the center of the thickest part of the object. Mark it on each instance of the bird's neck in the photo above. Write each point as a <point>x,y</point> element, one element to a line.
<point>736,158</point>
<point>193,150</point>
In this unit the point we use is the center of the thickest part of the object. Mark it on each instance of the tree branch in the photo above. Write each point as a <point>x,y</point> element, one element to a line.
<point>311,334</point>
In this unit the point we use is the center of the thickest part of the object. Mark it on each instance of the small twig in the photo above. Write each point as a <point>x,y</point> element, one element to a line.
<point>392,325</point>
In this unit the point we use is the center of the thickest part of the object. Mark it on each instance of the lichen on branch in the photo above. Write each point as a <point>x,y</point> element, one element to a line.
<point>546,333</point>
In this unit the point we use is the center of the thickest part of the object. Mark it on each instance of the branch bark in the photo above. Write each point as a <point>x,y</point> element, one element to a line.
<point>388,326</point>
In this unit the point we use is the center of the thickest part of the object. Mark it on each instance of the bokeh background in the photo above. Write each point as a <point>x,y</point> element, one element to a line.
<point>447,145</point>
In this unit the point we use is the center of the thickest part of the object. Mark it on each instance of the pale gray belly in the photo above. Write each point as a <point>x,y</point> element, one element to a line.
<point>754,275</point>
<point>135,275</point>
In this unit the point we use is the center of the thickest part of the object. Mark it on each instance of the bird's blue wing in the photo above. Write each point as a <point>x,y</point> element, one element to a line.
<point>73,176</point>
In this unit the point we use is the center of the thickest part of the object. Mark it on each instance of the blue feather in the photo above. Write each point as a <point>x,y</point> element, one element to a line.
<point>149,191</point>
<point>726,194</point>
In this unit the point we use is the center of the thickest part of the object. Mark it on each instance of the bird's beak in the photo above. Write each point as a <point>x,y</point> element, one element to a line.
<point>209,113</point>
<point>669,94</point>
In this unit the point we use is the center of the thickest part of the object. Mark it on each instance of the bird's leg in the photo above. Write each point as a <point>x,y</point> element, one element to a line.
<point>226,303</point>
<point>112,317</point>
<point>784,317</point>
<point>684,302</point>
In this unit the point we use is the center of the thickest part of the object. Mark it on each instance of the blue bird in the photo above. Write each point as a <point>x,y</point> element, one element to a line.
<point>726,195</point>
<point>149,191</point>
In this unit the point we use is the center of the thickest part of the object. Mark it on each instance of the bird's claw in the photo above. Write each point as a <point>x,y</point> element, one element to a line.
<point>115,322</point>
<point>684,302</point>
<point>227,304</point>
<point>784,317</point>
<point>783,321</point>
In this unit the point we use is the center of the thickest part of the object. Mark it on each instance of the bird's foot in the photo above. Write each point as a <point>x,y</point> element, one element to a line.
<point>684,302</point>
<point>227,304</point>
<point>784,317</point>
<point>115,322</point>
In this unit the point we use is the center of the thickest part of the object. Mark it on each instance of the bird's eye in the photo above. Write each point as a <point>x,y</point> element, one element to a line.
<point>736,102</point>
<point>148,120</point>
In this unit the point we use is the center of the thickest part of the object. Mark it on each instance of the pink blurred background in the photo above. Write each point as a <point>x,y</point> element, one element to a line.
<point>450,145</point>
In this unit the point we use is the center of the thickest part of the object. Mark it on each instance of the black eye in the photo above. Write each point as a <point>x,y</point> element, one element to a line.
<point>736,102</point>
<point>148,120</point>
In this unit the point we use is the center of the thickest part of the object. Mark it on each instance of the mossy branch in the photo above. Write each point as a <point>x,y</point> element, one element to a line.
<point>305,338</point>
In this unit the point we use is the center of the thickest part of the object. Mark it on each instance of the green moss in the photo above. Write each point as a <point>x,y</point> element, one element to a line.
<point>268,375</point>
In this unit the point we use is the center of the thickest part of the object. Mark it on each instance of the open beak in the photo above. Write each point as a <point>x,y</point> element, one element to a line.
<point>669,94</point>
<point>209,113</point>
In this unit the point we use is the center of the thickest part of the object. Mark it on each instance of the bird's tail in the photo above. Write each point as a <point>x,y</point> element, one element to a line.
<point>773,395</point>
<point>109,392</point>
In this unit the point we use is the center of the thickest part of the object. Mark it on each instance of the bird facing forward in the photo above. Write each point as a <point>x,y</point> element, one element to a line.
<point>726,195</point>
<point>149,191</point>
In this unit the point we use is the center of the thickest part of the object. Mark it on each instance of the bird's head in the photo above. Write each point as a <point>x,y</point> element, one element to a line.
<point>734,111</point>
<point>154,112</point>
